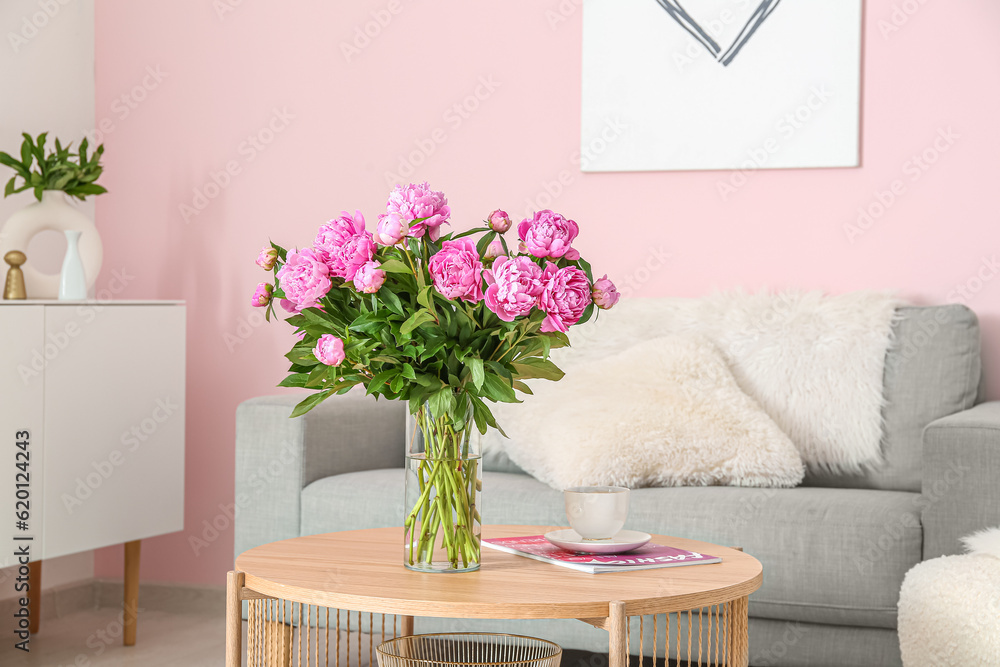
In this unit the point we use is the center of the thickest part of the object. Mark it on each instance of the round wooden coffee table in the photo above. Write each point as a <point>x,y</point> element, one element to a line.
<point>361,573</point>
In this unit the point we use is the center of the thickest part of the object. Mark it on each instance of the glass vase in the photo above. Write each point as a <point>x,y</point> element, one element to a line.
<point>442,495</point>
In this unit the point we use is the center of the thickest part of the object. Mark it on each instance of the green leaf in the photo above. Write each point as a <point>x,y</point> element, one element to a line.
<point>442,402</point>
<point>497,389</point>
<point>380,379</point>
<point>415,320</point>
<point>485,242</point>
<point>294,380</point>
<point>391,301</point>
<point>424,297</point>
<point>533,367</point>
<point>310,402</point>
<point>394,266</point>
<point>523,388</point>
<point>9,190</point>
<point>475,365</point>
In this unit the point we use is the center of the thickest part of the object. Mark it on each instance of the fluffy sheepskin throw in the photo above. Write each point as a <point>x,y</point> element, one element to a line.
<point>949,607</point>
<point>814,363</point>
<point>665,412</point>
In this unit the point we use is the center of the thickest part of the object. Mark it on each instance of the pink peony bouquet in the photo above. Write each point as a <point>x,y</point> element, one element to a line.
<point>442,321</point>
<point>426,317</point>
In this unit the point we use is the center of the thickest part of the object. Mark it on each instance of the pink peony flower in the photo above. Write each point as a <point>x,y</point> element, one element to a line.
<point>262,295</point>
<point>565,296</point>
<point>514,286</point>
<point>304,278</point>
<point>369,278</point>
<point>267,258</point>
<point>457,272</point>
<point>605,293</point>
<point>344,244</point>
<point>499,221</point>
<point>391,229</point>
<point>549,234</point>
<point>418,202</point>
<point>329,350</point>
<point>494,250</point>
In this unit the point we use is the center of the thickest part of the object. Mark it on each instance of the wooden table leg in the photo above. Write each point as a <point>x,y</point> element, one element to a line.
<point>131,602</point>
<point>738,632</point>
<point>234,619</point>
<point>617,635</point>
<point>34,595</point>
<point>406,626</point>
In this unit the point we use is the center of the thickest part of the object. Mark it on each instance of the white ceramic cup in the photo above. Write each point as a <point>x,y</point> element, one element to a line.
<point>596,512</point>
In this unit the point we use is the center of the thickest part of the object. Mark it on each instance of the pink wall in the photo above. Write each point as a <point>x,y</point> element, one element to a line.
<point>350,122</point>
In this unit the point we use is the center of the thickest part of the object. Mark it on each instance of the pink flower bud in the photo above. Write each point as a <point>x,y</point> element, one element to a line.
<point>605,293</point>
<point>267,258</point>
<point>494,250</point>
<point>369,278</point>
<point>391,229</point>
<point>262,295</point>
<point>499,221</point>
<point>329,350</point>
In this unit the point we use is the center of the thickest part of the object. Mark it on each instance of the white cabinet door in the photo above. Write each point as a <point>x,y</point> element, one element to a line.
<point>22,385</point>
<point>114,425</point>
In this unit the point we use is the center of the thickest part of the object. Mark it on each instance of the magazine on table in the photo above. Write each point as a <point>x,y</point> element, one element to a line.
<point>646,557</point>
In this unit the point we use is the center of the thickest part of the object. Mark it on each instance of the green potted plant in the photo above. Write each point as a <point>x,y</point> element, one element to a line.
<point>51,175</point>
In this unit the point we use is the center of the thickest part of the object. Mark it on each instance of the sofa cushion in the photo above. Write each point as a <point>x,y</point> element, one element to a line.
<point>830,555</point>
<point>932,370</point>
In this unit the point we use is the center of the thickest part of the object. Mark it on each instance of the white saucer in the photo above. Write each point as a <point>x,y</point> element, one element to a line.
<point>625,540</point>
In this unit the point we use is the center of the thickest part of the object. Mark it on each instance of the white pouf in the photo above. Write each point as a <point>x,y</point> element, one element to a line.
<point>949,608</point>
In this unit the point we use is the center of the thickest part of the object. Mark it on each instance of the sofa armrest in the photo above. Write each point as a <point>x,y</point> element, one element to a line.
<point>961,482</point>
<point>277,457</point>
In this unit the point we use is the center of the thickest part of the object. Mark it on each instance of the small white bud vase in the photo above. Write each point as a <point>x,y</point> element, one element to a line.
<point>72,279</point>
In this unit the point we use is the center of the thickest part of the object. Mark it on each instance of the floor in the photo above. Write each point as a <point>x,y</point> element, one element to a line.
<point>92,638</point>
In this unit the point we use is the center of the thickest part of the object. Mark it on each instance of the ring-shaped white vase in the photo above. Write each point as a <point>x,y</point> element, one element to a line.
<point>56,214</point>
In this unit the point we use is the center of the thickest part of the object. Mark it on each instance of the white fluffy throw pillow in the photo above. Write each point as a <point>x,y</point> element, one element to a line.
<point>666,412</point>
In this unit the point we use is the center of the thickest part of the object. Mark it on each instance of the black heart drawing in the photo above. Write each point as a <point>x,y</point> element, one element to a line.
<point>679,14</point>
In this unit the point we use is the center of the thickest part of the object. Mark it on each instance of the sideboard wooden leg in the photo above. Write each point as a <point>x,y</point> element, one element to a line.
<point>617,635</point>
<point>407,626</point>
<point>234,619</point>
<point>131,602</point>
<point>34,595</point>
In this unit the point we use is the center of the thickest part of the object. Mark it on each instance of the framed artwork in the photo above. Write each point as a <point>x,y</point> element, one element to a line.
<point>720,84</point>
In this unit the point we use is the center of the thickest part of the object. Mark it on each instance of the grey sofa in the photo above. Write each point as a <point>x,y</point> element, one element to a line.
<point>834,550</point>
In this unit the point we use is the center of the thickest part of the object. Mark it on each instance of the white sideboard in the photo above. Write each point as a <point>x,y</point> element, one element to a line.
<point>99,389</point>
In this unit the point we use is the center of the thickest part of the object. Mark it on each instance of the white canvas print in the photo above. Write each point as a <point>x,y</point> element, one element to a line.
<point>720,84</point>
